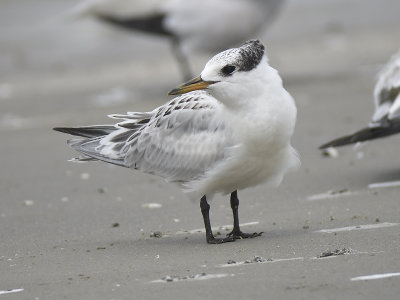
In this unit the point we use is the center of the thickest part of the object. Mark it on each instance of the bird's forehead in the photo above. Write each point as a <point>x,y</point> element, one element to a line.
<point>228,56</point>
<point>245,58</point>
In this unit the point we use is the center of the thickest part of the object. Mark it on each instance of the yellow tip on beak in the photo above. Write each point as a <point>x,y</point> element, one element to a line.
<point>192,85</point>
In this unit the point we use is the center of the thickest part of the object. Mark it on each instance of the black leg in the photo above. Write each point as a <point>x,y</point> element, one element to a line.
<point>236,232</point>
<point>205,210</point>
<point>181,59</point>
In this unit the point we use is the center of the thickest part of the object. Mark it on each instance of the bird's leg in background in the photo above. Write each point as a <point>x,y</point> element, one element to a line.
<point>182,59</point>
<point>236,232</point>
<point>205,210</point>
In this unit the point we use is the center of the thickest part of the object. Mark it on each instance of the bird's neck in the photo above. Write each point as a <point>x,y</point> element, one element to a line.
<point>253,93</point>
<point>270,114</point>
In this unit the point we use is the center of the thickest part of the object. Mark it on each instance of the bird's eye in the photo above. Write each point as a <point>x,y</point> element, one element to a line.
<point>228,70</point>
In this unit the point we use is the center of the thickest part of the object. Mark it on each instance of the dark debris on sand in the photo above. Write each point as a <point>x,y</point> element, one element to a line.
<point>179,278</point>
<point>156,234</point>
<point>255,259</point>
<point>335,252</point>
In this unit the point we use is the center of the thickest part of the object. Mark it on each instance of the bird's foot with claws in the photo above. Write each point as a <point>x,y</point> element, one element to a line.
<point>237,234</point>
<point>213,240</point>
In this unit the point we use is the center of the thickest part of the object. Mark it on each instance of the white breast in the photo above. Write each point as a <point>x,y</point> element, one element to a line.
<point>262,153</point>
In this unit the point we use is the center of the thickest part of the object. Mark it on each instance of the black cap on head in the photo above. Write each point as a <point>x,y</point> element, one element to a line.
<point>251,54</point>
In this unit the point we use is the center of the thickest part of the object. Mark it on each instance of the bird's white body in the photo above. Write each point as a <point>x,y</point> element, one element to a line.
<point>199,25</point>
<point>262,125</point>
<point>387,91</point>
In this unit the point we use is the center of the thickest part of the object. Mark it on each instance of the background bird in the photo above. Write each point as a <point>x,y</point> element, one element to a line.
<point>230,130</point>
<point>386,119</point>
<point>191,25</point>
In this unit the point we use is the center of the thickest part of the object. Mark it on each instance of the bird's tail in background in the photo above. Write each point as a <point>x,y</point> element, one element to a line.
<point>81,10</point>
<point>365,134</point>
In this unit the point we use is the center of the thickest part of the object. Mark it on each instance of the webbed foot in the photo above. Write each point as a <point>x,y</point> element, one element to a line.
<point>237,234</point>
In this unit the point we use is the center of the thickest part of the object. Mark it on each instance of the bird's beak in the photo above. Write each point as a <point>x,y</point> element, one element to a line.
<point>192,85</point>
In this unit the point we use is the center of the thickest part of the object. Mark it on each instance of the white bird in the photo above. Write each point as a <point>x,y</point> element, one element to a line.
<point>386,118</point>
<point>230,130</point>
<point>192,25</point>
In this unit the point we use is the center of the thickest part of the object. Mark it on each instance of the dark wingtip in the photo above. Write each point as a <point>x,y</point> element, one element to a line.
<point>61,129</point>
<point>359,136</point>
<point>342,141</point>
<point>367,133</point>
<point>87,131</point>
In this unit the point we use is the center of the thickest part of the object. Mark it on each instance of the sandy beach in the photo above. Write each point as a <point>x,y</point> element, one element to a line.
<point>97,231</point>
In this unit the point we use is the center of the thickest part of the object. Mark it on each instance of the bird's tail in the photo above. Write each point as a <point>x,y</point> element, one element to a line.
<point>368,133</point>
<point>87,131</point>
<point>90,146</point>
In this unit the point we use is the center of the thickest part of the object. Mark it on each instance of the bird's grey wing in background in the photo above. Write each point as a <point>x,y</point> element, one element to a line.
<point>153,23</point>
<point>117,8</point>
<point>386,119</point>
<point>129,14</point>
<point>365,134</point>
<point>214,25</point>
<point>178,141</point>
<point>205,25</point>
<point>190,25</point>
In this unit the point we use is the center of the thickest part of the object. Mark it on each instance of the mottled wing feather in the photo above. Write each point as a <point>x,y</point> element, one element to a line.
<point>179,142</point>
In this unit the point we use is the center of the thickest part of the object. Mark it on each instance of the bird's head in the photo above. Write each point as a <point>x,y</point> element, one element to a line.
<point>231,74</point>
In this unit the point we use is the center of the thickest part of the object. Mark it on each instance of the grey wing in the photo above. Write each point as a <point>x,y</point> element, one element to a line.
<point>387,91</point>
<point>386,119</point>
<point>104,142</point>
<point>181,141</point>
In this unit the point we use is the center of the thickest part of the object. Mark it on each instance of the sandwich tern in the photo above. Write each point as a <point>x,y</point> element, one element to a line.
<point>228,129</point>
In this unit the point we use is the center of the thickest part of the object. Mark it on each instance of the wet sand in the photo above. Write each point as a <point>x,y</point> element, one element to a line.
<point>95,231</point>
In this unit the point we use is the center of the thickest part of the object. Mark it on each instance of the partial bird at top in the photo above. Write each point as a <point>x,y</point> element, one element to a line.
<point>191,25</point>
<point>231,130</point>
<point>386,119</point>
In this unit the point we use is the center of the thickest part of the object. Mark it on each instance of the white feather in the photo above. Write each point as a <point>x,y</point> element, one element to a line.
<point>234,135</point>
